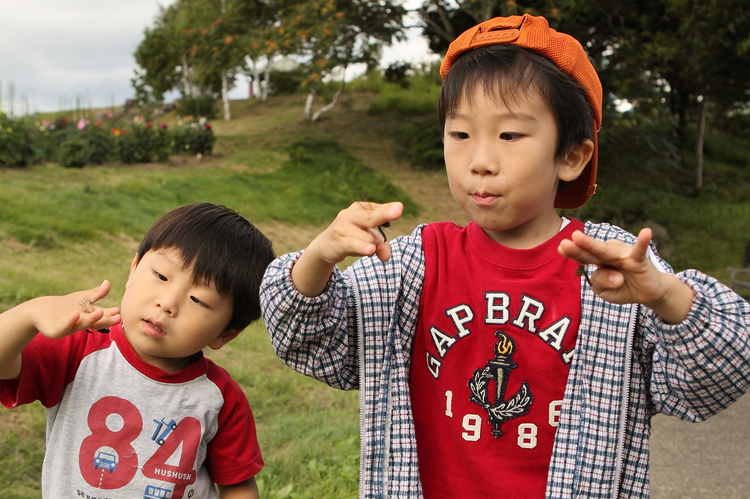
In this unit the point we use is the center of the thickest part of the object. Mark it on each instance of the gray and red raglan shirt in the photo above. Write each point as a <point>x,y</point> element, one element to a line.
<point>118,427</point>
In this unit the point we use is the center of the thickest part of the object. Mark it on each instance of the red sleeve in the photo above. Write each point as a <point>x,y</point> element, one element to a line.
<point>48,367</point>
<point>233,454</point>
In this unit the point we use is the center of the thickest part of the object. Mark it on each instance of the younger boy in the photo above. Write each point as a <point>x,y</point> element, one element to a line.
<point>489,364</point>
<point>140,412</point>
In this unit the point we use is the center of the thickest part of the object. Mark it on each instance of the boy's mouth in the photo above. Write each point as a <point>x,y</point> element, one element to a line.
<point>153,329</point>
<point>484,199</point>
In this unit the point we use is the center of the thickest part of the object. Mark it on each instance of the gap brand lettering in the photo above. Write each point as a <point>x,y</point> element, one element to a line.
<point>497,313</point>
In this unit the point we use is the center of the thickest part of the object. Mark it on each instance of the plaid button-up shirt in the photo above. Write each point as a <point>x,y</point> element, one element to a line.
<point>628,366</point>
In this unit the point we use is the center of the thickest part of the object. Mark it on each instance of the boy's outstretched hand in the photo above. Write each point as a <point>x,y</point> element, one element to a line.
<point>354,232</point>
<point>54,317</point>
<point>625,274</point>
<point>60,316</point>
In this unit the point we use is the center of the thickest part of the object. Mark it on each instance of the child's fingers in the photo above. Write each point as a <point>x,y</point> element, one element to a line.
<point>640,248</point>
<point>605,278</point>
<point>373,215</point>
<point>99,292</point>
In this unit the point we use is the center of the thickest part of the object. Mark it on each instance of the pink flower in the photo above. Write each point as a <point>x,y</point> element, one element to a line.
<point>148,125</point>
<point>164,126</point>
<point>208,126</point>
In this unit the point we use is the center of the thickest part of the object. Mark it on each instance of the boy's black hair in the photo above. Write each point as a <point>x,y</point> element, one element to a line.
<point>507,73</point>
<point>221,248</point>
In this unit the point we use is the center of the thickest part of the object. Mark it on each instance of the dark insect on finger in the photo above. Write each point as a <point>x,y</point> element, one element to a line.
<point>386,225</point>
<point>581,271</point>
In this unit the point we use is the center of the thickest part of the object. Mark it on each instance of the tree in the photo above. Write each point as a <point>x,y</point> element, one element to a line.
<point>675,56</point>
<point>444,20</point>
<point>333,34</point>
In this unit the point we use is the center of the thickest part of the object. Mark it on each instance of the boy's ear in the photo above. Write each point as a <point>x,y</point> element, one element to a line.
<point>576,160</point>
<point>133,265</point>
<point>224,338</point>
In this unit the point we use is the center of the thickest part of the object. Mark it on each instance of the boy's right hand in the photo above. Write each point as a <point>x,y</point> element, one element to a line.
<point>54,317</point>
<point>353,233</point>
<point>60,316</point>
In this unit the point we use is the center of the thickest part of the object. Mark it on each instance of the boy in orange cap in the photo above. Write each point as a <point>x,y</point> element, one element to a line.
<point>523,355</point>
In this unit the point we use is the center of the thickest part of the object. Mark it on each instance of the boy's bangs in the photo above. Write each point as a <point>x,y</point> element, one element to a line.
<point>505,86</point>
<point>506,74</point>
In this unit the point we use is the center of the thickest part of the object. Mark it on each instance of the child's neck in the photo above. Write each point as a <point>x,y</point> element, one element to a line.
<point>523,237</point>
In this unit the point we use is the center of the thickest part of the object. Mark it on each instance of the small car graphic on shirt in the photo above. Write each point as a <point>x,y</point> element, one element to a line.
<point>168,428</point>
<point>152,492</point>
<point>105,461</point>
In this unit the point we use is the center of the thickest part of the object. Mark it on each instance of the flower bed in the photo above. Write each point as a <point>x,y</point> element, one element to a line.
<point>26,141</point>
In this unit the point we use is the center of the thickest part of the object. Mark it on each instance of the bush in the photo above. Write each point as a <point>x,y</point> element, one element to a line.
<point>193,139</point>
<point>286,82</point>
<point>400,103</point>
<point>423,144</point>
<point>202,105</point>
<point>91,146</point>
<point>16,143</point>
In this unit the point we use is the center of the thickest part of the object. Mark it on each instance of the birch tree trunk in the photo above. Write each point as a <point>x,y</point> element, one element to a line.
<point>186,78</point>
<point>699,141</point>
<point>225,96</point>
<point>266,80</point>
<point>314,116</point>
<point>331,104</point>
<point>309,104</point>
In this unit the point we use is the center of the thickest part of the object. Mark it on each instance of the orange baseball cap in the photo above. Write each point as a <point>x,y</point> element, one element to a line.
<point>534,33</point>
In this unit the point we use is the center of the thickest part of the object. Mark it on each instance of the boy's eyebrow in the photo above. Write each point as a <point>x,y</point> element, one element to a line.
<point>502,116</point>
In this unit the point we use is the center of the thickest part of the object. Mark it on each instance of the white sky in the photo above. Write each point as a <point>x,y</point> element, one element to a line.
<point>54,52</point>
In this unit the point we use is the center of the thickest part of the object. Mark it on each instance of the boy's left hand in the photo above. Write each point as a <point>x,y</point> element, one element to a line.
<point>625,274</point>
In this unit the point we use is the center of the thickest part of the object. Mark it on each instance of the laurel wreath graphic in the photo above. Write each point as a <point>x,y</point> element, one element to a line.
<point>501,410</point>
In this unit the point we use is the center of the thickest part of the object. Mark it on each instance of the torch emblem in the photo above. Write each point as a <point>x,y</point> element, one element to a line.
<point>498,369</point>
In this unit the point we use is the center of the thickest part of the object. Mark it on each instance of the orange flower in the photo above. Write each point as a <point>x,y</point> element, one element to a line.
<point>195,49</point>
<point>228,39</point>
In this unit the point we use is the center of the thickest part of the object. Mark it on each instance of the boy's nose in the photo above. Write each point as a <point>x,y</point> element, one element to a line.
<point>484,161</point>
<point>168,304</point>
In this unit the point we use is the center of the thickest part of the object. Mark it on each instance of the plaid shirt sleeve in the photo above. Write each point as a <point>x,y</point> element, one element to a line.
<point>699,367</point>
<point>702,365</point>
<point>315,336</point>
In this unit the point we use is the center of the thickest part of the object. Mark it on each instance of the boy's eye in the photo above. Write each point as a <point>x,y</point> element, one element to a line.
<point>197,301</point>
<point>509,136</point>
<point>459,135</point>
<point>159,276</point>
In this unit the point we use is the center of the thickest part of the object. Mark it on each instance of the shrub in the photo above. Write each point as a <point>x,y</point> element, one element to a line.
<point>16,143</point>
<point>202,105</point>
<point>286,82</point>
<point>422,143</point>
<point>91,146</point>
<point>193,139</point>
<point>397,102</point>
<point>143,144</point>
